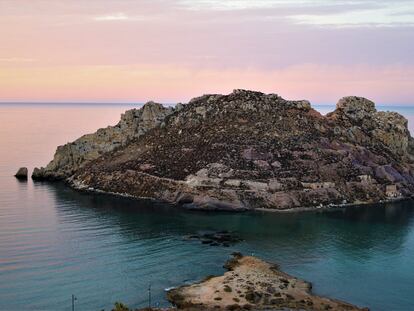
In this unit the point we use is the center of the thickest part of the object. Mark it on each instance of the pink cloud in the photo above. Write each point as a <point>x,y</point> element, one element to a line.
<point>172,50</point>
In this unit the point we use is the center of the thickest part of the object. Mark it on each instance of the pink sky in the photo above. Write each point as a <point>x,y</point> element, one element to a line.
<point>173,50</point>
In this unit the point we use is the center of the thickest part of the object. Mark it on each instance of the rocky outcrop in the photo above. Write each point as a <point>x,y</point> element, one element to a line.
<point>252,284</point>
<point>22,173</point>
<point>72,156</point>
<point>357,117</point>
<point>250,150</point>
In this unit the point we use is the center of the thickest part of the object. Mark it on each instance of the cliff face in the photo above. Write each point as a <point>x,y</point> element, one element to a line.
<point>251,150</point>
<point>72,156</point>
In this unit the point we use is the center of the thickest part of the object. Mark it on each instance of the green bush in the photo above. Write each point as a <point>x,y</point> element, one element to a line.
<point>119,306</point>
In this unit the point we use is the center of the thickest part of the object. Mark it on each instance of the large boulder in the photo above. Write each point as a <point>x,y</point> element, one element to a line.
<point>359,120</point>
<point>22,173</point>
<point>356,108</point>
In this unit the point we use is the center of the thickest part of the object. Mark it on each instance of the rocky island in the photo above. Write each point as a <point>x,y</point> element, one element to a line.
<point>243,151</point>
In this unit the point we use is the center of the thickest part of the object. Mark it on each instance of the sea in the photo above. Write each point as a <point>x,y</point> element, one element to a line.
<point>56,242</point>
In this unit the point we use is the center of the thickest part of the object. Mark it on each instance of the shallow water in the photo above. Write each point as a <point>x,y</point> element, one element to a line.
<point>55,242</point>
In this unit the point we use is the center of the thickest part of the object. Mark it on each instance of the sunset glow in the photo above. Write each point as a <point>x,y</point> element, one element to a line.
<point>171,51</point>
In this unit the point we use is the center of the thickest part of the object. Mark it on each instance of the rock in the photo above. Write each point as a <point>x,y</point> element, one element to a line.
<point>388,173</point>
<point>356,108</point>
<point>202,111</point>
<point>368,126</point>
<point>275,185</point>
<point>244,150</point>
<point>256,186</point>
<point>220,238</point>
<point>262,164</point>
<point>207,203</point>
<point>256,283</point>
<point>233,183</point>
<point>276,164</point>
<point>392,131</point>
<point>72,156</point>
<point>22,173</point>
<point>184,198</point>
<point>179,106</point>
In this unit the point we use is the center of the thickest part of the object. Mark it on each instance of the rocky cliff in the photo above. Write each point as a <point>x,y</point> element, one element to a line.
<point>72,156</point>
<point>246,150</point>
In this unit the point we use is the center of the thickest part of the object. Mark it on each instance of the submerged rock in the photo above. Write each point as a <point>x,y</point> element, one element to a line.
<point>219,238</point>
<point>22,173</point>
<point>245,150</point>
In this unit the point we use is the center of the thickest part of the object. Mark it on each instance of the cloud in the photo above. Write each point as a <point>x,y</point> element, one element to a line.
<point>386,16</point>
<point>122,17</point>
<point>231,4</point>
<point>111,17</point>
<point>324,13</point>
<point>220,44</point>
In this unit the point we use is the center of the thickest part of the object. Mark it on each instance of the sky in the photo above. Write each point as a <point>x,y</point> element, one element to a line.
<point>172,50</point>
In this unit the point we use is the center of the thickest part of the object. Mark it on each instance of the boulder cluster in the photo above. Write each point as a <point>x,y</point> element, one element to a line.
<point>245,150</point>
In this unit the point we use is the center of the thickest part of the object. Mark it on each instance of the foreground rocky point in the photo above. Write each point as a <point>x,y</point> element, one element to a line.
<point>245,150</point>
<point>252,284</point>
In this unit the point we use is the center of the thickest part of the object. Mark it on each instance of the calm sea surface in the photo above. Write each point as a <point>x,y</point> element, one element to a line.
<point>55,242</point>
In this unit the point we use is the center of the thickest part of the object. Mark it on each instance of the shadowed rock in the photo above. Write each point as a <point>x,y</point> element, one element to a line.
<point>219,238</point>
<point>22,173</point>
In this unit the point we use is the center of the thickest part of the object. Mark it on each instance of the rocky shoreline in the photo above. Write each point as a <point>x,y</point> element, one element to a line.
<point>252,284</point>
<point>245,151</point>
<point>249,284</point>
<point>323,208</point>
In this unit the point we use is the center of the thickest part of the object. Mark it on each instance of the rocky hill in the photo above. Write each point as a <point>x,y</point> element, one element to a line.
<point>245,150</point>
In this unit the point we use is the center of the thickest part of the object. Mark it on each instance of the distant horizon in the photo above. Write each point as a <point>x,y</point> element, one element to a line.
<point>163,103</point>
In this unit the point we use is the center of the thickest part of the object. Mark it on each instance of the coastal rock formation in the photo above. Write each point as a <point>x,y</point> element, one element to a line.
<point>70,157</point>
<point>356,115</point>
<point>246,150</point>
<point>22,173</point>
<point>252,284</point>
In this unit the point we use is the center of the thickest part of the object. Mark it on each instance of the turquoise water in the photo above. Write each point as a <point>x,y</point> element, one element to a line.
<point>55,242</point>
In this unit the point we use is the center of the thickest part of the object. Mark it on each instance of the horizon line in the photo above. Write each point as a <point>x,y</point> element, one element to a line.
<point>51,103</point>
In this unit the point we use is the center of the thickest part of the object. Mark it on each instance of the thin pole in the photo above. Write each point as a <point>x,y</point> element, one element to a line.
<point>149,296</point>
<point>73,302</point>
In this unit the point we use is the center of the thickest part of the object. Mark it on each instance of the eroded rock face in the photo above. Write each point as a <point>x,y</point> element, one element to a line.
<point>70,157</point>
<point>251,150</point>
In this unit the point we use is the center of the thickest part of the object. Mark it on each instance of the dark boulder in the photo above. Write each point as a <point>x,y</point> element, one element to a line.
<point>22,173</point>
